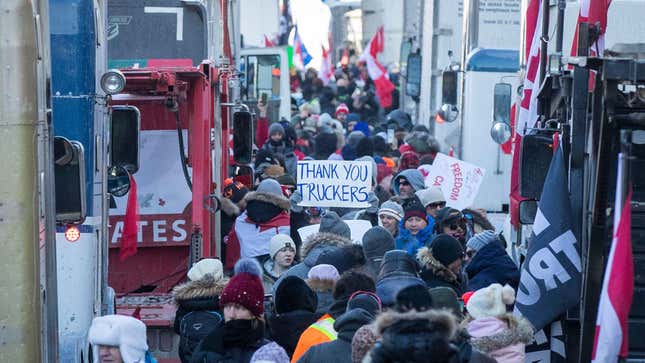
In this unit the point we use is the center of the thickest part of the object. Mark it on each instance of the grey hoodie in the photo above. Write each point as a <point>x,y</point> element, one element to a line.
<point>413,176</point>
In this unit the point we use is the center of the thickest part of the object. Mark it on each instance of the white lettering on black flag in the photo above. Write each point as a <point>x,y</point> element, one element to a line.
<point>551,274</point>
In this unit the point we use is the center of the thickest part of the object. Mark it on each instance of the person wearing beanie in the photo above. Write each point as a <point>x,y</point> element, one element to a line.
<point>362,342</point>
<point>389,215</point>
<point>441,264</point>
<point>376,242</point>
<point>409,160</point>
<point>322,279</point>
<point>452,222</point>
<point>294,310</point>
<point>270,353</point>
<point>446,298</point>
<point>415,229</point>
<point>407,182</point>
<point>279,145</point>
<point>432,199</point>
<point>398,271</point>
<point>266,215</point>
<point>488,262</point>
<point>324,330</point>
<point>198,303</point>
<point>282,253</point>
<point>243,330</point>
<point>332,234</point>
<point>341,112</point>
<point>362,308</point>
<point>413,297</point>
<point>119,338</point>
<point>497,333</point>
<point>232,204</point>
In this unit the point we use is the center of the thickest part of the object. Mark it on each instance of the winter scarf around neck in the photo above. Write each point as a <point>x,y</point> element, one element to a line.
<point>238,333</point>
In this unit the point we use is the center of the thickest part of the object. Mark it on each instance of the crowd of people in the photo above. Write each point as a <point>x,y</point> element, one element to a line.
<point>427,283</point>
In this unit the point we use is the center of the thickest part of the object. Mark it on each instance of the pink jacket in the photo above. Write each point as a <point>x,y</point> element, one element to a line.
<point>503,338</point>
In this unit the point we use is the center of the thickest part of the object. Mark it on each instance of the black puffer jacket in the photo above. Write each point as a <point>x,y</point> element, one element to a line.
<point>229,345</point>
<point>339,350</point>
<point>285,329</point>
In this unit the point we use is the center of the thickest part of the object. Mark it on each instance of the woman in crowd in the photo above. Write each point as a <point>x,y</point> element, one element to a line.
<point>282,253</point>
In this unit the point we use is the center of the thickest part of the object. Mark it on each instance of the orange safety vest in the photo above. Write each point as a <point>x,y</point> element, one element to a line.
<point>322,331</point>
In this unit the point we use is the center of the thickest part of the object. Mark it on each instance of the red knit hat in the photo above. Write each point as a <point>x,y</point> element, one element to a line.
<point>245,287</point>
<point>342,108</point>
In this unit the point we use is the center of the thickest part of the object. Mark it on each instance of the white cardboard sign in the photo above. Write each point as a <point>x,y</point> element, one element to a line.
<point>329,183</point>
<point>459,181</point>
<point>357,226</point>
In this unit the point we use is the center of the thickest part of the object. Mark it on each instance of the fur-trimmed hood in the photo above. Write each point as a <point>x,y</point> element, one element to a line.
<point>428,262</point>
<point>441,320</point>
<point>279,201</point>
<point>322,239</point>
<point>206,287</point>
<point>230,208</point>
<point>509,330</point>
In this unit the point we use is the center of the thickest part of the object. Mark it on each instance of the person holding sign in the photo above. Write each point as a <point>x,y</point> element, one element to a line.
<point>415,229</point>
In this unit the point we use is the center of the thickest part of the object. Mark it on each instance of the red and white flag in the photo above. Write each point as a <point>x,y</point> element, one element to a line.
<point>611,339</point>
<point>376,71</point>
<point>592,12</point>
<point>128,246</point>
<point>326,72</point>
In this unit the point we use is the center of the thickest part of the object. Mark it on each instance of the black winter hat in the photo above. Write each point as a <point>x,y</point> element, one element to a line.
<point>264,156</point>
<point>398,261</point>
<point>380,145</point>
<point>412,207</point>
<point>376,242</point>
<point>344,258</point>
<point>293,294</point>
<point>365,147</point>
<point>325,145</point>
<point>415,297</point>
<point>350,282</point>
<point>446,249</point>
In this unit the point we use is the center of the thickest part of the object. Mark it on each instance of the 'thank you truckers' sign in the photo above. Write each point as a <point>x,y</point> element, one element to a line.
<point>328,183</point>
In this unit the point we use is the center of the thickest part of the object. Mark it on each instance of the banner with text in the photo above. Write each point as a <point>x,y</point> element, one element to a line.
<point>327,183</point>
<point>458,180</point>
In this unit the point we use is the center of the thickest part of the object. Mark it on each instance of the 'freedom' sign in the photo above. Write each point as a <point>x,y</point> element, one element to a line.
<point>327,183</point>
<point>459,181</point>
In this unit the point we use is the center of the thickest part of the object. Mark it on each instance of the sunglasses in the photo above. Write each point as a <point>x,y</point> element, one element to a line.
<point>455,226</point>
<point>437,205</point>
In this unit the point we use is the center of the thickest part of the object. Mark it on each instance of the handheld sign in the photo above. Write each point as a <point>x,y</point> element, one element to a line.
<point>357,226</point>
<point>329,183</point>
<point>459,181</point>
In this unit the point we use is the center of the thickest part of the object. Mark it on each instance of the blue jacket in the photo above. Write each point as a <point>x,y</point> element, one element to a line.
<point>490,265</point>
<point>407,242</point>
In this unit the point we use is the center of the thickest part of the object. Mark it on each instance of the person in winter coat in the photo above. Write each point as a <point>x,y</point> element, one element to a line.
<point>119,338</point>
<point>389,215</point>
<point>242,333</point>
<point>323,330</point>
<point>441,264</point>
<point>415,229</point>
<point>414,337</point>
<point>322,279</point>
<point>295,306</point>
<point>278,144</point>
<point>500,334</point>
<point>407,182</point>
<point>344,258</point>
<point>452,222</point>
<point>266,215</point>
<point>376,242</point>
<point>333,233</point>
<point>232,204</point>
<point>198,303</point>
<point>488,262</point>
<point>282,253</point>
<point>398,271</point>
<point>360,311</point>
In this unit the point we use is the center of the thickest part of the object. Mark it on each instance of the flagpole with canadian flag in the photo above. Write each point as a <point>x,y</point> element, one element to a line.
<point>376,71</point>
<point>611,337</point>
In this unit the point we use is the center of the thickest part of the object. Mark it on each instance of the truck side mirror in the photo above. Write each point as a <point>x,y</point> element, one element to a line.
<point>69,175</point>
<point>535,157</point>
<point>528,211</point>
<point>500,132</point>
<point>448,111</point>
<point>124,137</point>
<point>242,137</point>
<point>413,82</point>
<point>118,180</point>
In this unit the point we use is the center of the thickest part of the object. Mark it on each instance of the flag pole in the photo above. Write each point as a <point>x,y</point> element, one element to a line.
<point>623,176</point>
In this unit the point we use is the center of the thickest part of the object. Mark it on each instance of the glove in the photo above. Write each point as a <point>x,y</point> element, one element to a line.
<point>294,200</point>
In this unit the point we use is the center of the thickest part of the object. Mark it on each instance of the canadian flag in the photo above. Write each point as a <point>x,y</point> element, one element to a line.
<point>376,71</point>
<point>326,72</point>
<point>611,339</point>
<point>592,12</point>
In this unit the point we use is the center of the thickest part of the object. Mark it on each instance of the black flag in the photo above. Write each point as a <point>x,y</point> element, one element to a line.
<point>551,274</point>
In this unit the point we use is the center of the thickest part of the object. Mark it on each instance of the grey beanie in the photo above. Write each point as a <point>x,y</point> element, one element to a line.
<point>354,137</point>
<point>270,186</point>
<point>276,127</point>
<point>392,209</point>
<point>480,240</point>
<point>331,223</point>
<point>376,241</point>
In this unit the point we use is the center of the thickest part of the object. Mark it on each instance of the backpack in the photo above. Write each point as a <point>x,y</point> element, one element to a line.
<point>193,328</point>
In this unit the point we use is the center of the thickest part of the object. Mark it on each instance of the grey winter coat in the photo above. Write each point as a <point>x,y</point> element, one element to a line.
<point>339,350</point>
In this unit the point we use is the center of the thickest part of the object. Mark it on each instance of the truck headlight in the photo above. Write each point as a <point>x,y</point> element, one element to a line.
<point>112,81</point>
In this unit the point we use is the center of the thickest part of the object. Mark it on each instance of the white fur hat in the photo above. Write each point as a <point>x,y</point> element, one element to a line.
<point>490,301</point>
<point>278,242</point>
<point>125,332</point>
<point>430,195</point>
<point>206,266</point>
